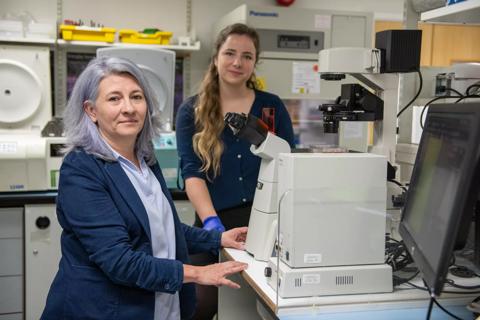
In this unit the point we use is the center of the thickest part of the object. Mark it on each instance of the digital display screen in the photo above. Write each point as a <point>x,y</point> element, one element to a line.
<point>293,42</point>
<point>443,189</point>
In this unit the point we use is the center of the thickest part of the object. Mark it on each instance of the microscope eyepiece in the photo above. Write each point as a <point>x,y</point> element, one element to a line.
<point>236,120</point>
<point>247,127</point>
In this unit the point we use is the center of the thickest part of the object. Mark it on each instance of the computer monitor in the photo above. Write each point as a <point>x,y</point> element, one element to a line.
<point>443,189</point>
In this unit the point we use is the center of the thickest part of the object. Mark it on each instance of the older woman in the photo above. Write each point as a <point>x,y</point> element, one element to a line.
<point>124,250</point>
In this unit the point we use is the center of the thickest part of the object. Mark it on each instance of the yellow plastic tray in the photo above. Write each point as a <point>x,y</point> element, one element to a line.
<point>132,36</point>
<point>82,33</point>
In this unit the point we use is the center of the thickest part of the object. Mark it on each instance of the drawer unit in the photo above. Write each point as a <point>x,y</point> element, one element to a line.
<point>42,255</point>
<point>11,300</point>
<point>11,316</point>
<point>11,263</point>
<point>11,223</point>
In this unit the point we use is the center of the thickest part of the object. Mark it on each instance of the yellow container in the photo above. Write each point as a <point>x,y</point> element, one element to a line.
<point>83,33</point>
<point>132,36</point>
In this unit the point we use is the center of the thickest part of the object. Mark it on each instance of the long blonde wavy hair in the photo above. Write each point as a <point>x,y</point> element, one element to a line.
<point>209,123</point>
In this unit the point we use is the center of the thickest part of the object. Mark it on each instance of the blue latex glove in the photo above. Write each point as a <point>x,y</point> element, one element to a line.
<point>213,223</point>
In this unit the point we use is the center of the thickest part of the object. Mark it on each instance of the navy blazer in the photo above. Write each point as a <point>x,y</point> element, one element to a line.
<point>107,270</point>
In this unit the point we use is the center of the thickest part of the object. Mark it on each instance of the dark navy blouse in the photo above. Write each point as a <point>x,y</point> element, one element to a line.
<point>236,183</point>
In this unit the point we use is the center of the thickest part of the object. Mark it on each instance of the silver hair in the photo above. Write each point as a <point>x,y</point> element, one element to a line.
<point>82,132</point>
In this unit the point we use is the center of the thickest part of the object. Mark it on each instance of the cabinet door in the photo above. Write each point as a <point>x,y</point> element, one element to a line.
<point>11,241</point>
<point>350,31</point>
<point>11,263</point>
<point>11,300</point>
<point>11,223</point>
<point>42,255</point>
<point>452,43</point>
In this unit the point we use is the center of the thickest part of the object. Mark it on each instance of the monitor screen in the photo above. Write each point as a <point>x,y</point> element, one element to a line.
<point>443,188</point>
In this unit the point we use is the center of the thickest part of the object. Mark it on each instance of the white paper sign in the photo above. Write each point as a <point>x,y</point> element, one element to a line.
<point>305,79</point>
<point>322,21</point>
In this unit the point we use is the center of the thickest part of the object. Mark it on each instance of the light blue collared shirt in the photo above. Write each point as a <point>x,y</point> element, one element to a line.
<point>162,230</point>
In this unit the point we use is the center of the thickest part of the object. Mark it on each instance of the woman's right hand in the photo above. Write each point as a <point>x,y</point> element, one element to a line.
<point>214,274</point>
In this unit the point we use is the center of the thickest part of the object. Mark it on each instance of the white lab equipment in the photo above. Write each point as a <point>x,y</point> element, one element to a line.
<point>25,108</point>
<point>262,224</point>
<point>332,209</point>
<point>328,281</point>
<point>364,65</point>
<point>332,215</point>
<point>397,51</point>
<point>348,60</point>
<point>158,66</point>
<point>464,75</point>
<point>22,162</point>
<point>25,96</point>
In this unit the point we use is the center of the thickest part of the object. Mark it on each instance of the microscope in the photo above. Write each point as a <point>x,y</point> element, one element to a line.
<point>355,103</point>
<point>365,115</point>
<point>262,226</point>
<point>327,211</point>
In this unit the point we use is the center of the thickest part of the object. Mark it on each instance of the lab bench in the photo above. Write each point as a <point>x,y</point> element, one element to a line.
<point>30,249</point>
<point>257,300</point>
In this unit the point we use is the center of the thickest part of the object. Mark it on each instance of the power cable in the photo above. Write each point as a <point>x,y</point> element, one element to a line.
<point>415,97</point>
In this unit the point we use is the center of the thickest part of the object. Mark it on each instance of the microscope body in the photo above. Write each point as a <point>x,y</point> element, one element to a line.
<point>262,227</point>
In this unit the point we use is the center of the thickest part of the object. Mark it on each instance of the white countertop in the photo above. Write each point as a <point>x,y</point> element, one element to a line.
<point>401,297</point>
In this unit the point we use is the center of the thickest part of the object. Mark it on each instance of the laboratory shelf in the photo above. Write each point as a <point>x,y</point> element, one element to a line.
<point>27,40</point>
<point>181,48</point>
<point>77,45</point>
<point>466,12</point>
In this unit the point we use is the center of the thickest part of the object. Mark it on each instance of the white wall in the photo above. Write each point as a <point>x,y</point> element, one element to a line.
<point>383,10</point>
<point>42,10</point>
<point>119,14</point>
